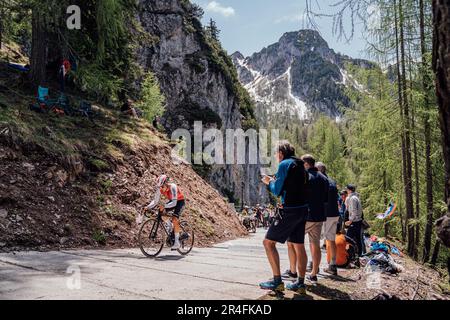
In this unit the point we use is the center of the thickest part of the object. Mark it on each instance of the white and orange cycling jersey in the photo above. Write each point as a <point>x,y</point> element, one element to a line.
<point>173,195</point>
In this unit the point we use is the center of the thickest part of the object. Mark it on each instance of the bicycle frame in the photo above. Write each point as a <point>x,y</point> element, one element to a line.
<point>159,220</point>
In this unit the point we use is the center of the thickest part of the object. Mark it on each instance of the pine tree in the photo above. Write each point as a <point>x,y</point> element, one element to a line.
<point>212,30</point>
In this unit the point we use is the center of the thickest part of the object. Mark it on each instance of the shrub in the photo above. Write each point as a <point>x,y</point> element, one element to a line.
<point>100,237</point>
<point>152,100</point>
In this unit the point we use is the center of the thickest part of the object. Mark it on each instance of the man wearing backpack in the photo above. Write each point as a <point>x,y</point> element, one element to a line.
<point>331,224</point>
<point>289,183</point>
<point>318,187</point>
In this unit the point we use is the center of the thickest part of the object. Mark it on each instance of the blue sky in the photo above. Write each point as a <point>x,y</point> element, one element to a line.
<point>250,25</point>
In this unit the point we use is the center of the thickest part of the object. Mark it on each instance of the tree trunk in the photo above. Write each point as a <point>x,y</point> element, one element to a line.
<point>38,59</point>
<point>426,84</point>
<point>441,66</point>
<point>2,14</point>
<point>416,161</point>
<point>400,103</point>
<point>408,177</point>
<point>435,255</point>
<point>417,189</point>
<point>404,113</point>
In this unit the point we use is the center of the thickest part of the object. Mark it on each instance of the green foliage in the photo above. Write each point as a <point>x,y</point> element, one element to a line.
<point>98,82</point>
<point>373,145</point>
<point>104,48</point>
<point>98,165</point>
<point>326,144</point>
<point>111,18</point>
<point>15,24</point>
<point>99,236</point>
<point>152,100</point>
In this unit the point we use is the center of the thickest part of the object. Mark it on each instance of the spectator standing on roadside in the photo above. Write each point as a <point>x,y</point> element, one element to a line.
<point>331,224</point>
<point>354,223</point>
<point>318,187</point>
<point>290,182</point>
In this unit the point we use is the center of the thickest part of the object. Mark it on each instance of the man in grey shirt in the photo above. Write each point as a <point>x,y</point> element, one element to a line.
<point>354,222</point>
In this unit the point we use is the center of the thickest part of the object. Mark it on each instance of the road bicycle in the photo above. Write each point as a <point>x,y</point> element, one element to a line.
<point>158,231</point>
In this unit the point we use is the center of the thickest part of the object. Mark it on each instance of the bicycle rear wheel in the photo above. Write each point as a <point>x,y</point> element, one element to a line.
<point>152,238</point>
<point>187,238</point>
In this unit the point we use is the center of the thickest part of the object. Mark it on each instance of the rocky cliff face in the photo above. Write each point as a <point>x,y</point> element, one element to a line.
<point>298,77</point>
<point>197,80</point>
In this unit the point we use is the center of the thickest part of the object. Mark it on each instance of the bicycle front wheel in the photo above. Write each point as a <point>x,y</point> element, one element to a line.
<point>187,238</point>
<point>152,238</point>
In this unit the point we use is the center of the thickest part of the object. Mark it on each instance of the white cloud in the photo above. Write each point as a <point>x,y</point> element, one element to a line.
<point>291,18</point>
<point>216,7</point>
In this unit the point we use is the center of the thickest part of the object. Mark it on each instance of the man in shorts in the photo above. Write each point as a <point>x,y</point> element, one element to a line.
<point>317,201</point>
<point>290,184</point>
<point>330,226</point>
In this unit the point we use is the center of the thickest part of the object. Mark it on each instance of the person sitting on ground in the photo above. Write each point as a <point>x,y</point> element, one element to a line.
<point>341,259</point>
<point>290,183</point>
<point>175,204</point>
<point>128,109</point>
<point>331,224</point>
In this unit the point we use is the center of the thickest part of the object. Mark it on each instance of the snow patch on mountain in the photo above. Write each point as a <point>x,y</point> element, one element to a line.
<point>350,81</point>
<point>267,92</point>
<point>300,106</point>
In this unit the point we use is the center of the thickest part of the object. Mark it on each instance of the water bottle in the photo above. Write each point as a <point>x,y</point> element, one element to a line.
<point>169,226</point>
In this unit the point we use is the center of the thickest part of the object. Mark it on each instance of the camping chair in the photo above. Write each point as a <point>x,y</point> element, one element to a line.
<point>44,101</point>
<point>43,96</point>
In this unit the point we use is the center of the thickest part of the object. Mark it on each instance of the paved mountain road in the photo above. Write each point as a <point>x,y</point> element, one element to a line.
<point>230,270</point>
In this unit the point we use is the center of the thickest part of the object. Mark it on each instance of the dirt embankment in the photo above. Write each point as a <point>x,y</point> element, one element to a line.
<point>68,182</point>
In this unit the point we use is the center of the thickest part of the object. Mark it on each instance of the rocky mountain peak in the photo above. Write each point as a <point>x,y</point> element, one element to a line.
<point>237,55</point>
<point>298,76</point>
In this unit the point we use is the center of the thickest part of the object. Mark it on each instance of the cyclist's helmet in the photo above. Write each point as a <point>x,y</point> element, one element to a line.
<point>162,180</point>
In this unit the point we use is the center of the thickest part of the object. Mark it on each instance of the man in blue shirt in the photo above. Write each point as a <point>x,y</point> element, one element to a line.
<point>290,184</point>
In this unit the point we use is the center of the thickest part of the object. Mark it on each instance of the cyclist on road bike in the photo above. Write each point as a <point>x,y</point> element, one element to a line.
<point>175,204</point>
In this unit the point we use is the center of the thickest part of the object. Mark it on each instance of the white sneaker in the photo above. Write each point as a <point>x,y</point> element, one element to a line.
<point>176,246</point>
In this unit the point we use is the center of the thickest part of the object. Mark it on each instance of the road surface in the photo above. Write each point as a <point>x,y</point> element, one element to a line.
<point>230,270</point>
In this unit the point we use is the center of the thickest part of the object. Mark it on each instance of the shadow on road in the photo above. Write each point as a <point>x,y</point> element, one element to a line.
<point>170,258</point>
<point>328,293</point>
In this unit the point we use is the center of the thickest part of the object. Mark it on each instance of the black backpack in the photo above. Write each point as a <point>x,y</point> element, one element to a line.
<point>295,185</point>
